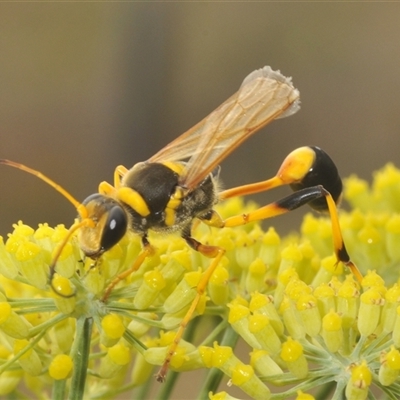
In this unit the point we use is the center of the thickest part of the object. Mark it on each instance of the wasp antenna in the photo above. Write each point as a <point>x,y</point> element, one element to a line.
<point>79,206</point>
<point>60,248</point>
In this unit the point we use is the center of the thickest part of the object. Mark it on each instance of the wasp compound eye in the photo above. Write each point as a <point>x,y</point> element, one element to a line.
<point>114,227</point>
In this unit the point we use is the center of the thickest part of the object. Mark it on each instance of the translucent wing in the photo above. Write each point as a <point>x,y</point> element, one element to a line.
<point>263,96</point>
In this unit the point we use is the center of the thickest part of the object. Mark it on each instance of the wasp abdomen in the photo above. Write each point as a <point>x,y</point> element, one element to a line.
<point>322,172</point>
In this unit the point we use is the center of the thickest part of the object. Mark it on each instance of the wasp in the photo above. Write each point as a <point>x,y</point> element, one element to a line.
<point>179,185</point>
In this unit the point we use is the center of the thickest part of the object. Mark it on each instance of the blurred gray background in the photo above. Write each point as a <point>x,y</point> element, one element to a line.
<point>86,87</point>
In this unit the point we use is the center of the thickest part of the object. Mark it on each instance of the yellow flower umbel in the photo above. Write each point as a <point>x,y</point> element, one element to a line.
<point>307,325</point>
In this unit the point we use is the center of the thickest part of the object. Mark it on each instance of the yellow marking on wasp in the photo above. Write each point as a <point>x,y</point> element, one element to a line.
<point>169,217</point>
<point>134,200</point>
<point>176,167</point>
<point>296,165</point>
<point>173,203</point>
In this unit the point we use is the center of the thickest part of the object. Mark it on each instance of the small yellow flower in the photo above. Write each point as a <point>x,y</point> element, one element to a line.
<point>60,367</point>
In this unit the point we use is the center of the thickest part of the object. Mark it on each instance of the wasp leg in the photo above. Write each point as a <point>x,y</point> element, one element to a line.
<point>296,200</point>
<point>146,252</point>
<point>252,188</point>
<point>206,250</point>
<point>108,189</point>
<point>119,173</point>
<point>209,251</point>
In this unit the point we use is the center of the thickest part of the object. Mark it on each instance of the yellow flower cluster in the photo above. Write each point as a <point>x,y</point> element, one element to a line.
<point>307,325</point>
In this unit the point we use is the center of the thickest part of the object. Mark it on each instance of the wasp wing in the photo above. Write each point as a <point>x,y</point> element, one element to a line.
<point>263,96</point>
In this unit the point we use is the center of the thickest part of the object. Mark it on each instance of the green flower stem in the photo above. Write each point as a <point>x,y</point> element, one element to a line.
<point>304,386</point>
<point>58,390</point>
<point>215,375</point>
<point>339,392</point>
<point>135,342</point>
<point>325,391</point>
<point>23,303</point>
<point>80,355</point>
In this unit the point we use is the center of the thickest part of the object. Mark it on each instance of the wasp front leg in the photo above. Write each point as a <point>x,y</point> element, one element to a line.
<point>109,190</point>
<point>147,251</point>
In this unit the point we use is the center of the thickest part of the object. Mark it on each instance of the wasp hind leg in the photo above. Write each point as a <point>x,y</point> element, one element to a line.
<point>313,176</point>
<point>214,252</point>
<point>294,201</point>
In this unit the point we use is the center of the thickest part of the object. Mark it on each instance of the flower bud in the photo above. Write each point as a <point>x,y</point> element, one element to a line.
<point>238,318</point>
<point>292,354</point>
<point>32,264</point>
<point>260,326</point>
<point>184,293</point>
<point>264,364</point>
<point>269,251</point>
<point>116,357</point>
<point>186,356</point>
<point>292,319</point>
<point>256,276</point>
<point>153,283</point>
<point>263,304</point>
<point>358,385</point>
<point>113,329</point>
<point>11,323</point>
<point>390,367</point>
<point>7,264</point>
<point>64,334</point>
<point>392,300</point>
<point>61,367</point>
<point>332,332</point>
<point>325,295</point>
<point>371,303</point>
<point>141,323</point>
<point>309,314</point>
<point>64,294</point>
<point>244,377</point>
<point>218,288</point>
<point>347,303</point>
<point>66,263</point>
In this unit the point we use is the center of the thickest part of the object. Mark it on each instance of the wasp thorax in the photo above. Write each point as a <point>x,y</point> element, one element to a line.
<point>155,198</point>
<point>110,225</point>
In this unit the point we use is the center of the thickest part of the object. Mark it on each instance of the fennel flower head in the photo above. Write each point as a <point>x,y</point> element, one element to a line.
<point>278,318</point>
